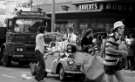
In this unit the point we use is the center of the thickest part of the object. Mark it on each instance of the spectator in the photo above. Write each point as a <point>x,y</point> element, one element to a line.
<point>71,36</point>
<point>114,52</point>
<point>87,39</point>
<point>130,41</point>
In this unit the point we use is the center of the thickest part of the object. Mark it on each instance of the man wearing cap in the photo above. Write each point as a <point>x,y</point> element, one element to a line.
<point>114,52</point>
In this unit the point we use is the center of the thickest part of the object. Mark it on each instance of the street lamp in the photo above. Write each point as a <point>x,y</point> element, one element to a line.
<point>53,16</point>
<point>31,3</point>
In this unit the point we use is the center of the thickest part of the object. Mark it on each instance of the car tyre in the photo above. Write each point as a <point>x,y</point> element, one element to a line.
<point>61,73</point>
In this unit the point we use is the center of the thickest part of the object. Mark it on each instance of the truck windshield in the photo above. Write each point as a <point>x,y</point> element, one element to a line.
<point>28,25</point>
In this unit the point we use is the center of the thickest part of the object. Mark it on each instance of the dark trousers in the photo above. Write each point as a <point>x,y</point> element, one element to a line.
<point>40,71</point>
<point>130,62</point>
<point>40,59</point>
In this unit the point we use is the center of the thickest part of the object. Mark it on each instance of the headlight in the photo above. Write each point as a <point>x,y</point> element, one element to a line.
<point>70,61</point>
<point>19,49</point>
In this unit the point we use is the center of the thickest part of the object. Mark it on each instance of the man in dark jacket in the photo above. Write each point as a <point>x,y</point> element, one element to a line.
<point>86,41</point>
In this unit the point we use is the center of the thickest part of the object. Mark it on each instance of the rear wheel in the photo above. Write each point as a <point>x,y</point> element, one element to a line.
<point>61,73</point>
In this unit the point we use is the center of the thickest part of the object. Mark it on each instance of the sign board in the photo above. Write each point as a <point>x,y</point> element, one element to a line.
<point>119,7</point>
<point>30,13</point>
<point>105,6</point>
<point>90,6</point>
<point>24,5</point>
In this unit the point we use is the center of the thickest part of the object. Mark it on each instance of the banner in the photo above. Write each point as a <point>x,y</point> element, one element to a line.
<point>24,5</point>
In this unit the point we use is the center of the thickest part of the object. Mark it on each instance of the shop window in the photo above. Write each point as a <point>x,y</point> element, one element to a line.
<point>60,28</point>
<point>83,28</point>
<point>108,27</point>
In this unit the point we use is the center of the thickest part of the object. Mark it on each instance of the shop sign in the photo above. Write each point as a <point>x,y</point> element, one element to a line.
<point>92,6</point>
<point>108,6</point>
<point>114,6</point>
<point>26,6</point>
<point>119,7</point>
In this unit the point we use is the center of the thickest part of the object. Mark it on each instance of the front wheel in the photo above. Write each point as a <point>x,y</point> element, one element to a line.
<point>61,73</point>
<point>6,60</point>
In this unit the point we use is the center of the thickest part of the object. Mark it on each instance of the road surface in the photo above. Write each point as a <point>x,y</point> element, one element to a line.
<point>22,74</point>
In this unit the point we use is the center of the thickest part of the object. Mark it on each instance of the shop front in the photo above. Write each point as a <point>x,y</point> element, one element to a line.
<point>98,15</point>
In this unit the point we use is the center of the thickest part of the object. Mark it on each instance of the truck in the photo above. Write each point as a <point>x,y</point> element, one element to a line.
<point>2,38</point>
<point>19,45</point>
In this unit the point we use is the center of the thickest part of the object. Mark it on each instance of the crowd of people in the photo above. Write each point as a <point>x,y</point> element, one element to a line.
<point>115,47</point>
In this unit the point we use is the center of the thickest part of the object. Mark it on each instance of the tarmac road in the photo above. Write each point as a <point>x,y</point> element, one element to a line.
<point>22,74</point>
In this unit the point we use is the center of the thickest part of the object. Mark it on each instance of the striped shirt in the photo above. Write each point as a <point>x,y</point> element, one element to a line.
<point>111,55</point>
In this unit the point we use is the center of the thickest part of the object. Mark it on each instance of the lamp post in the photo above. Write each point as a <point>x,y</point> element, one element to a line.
<point>31,3</point>
<point>53,16</point>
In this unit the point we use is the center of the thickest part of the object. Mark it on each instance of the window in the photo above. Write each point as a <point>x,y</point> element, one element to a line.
<point>28,25</point>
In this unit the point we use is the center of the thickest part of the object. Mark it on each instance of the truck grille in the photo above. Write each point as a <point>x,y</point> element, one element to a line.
<point>30,49</point>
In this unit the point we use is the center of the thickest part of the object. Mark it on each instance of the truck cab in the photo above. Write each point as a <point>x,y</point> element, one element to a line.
<point>20,37</point>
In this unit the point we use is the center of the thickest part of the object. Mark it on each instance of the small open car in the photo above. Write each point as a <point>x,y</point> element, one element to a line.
<point>62,60</point>
<point>64,63</point>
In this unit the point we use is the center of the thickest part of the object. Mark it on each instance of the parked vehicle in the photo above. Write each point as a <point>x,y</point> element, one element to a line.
<point>65,65</point>
<point>20,37</point>
<point>2,39</point>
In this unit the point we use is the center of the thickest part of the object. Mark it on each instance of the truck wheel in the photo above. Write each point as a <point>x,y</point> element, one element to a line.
<point>6,60</point>
<point>61,73</point>
<point>1,55</point>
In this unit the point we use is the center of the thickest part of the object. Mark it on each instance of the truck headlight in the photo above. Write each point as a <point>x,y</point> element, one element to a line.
<point>19,49</point>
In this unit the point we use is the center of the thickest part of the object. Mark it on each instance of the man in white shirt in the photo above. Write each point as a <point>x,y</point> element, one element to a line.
<point>71,36</point>
<point>39,50</point>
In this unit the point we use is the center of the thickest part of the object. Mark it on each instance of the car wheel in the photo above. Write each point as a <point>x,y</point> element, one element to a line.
<point>6,60</point>
<point>61,73</point>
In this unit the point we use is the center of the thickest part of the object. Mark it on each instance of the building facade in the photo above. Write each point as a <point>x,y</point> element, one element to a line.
<point>96,14</point>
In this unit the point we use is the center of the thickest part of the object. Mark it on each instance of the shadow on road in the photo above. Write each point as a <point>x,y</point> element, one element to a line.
<point>68,79</point>
<point>17,65</point>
